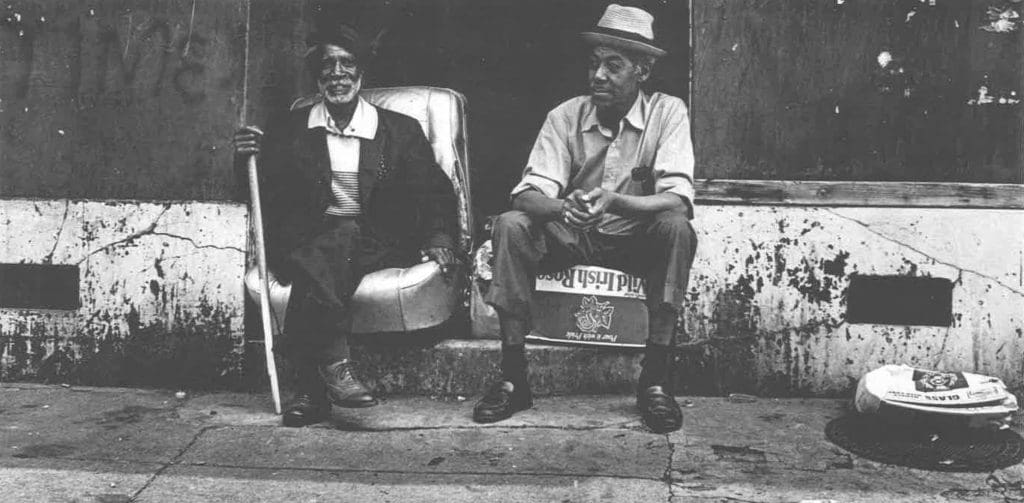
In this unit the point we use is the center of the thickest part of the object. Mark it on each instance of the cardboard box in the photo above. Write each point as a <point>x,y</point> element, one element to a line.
<point>590,305</point>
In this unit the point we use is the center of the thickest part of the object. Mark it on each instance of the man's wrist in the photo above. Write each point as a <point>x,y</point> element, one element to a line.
<point>614,202</point>
<point>560,210</point>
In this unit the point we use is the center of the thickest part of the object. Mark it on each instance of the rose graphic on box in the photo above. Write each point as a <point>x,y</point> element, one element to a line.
<point>930,380</point>
<point>594,314</point>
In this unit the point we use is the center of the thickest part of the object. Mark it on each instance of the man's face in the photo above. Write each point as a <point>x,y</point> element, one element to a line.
<point>340,78</point>
<point>614,78</point>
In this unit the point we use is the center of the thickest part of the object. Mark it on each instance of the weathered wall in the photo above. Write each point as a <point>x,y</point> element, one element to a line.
<point>139,99</point>
<point>161,292</point>
<point>767,305</point>
<point>859,90</point>
<point>136,100</point>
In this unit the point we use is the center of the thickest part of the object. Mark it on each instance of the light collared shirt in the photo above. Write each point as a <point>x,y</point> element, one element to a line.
<point>651,151</point>
<point>343,149</point>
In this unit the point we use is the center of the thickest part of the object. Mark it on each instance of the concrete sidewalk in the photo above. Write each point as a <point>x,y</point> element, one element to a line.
<point>108,445</point>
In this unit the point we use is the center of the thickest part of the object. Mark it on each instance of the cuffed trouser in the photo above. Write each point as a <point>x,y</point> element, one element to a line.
<point>661,251</point>
<point>325,273</point>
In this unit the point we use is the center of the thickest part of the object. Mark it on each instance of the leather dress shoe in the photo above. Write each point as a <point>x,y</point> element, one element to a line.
<point>306,409</point>
<point>501,401</point>
<point>659,410</point>
<point>343,389</point>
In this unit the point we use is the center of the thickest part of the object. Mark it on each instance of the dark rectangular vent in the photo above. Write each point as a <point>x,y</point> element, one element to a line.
<point>900,300</point>
<point>39,286</point>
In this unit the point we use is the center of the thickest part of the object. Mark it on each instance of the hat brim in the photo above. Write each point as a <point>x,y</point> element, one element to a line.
<point>621,43</point>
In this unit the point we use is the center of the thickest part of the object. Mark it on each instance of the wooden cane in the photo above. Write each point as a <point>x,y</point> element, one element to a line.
<point>261,259</point>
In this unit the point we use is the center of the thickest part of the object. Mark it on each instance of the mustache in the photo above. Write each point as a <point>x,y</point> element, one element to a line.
<point>339,78</point>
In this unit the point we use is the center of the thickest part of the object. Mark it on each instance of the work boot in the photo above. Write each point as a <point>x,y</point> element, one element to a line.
<point>309,405</point>
<point>342,387</point>
<point>659,410</point>
<point>501,401</point>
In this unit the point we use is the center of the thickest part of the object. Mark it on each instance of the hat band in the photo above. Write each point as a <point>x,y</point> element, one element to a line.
<point>628,35</point>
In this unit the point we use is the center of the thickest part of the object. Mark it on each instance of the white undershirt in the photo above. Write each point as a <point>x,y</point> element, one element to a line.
<point>343,149</point>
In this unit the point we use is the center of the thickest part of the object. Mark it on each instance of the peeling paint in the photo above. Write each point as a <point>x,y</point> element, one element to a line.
<point>1002,20</point>
<point>777,294</point>
<point>983,97</point>
<point>160,288</point>
<point>884,58</point>
<point>891,77</point>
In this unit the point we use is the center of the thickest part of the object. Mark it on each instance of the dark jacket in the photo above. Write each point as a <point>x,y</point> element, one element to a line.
<point>407,200</point>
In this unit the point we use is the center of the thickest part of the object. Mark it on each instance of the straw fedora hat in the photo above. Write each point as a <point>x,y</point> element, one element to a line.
<point>622,27</point>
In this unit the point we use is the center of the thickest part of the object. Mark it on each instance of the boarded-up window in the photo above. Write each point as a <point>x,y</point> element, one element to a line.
<point>877,90</point>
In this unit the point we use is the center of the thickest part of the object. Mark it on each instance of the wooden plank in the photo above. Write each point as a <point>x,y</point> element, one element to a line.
<point>132,99</point>
<point>900,194</point>
<point>873,90</point>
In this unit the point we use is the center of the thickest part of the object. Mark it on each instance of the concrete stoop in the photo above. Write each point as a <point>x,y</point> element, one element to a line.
<point>401,365</point>
<point>467,368</point>
<point>452,368</point>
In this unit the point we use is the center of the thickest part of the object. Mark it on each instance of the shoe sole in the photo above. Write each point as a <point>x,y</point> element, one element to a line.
<point>356,405</point>
<point>663,430</point>
<point>495,419</point>
<point>288,422</point>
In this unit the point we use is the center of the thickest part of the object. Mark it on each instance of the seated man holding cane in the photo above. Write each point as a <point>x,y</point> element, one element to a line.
<point>348,188</point>
<point>609,182</point>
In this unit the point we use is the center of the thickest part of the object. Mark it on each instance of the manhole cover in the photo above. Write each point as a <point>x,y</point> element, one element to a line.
<point>917,446</point>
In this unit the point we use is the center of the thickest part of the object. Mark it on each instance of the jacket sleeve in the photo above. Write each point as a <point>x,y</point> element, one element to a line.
<point>273,206</point>
<point>437,213</point>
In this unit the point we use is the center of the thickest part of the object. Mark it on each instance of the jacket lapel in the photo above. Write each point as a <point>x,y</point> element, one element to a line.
<point>314,155</point>
<point>371,161</point>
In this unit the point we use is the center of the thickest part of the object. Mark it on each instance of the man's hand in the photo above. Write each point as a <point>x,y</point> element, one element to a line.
<point>445,257</point>
<point>247,141</point>
<point>576,211</point>
<point>599,201</point>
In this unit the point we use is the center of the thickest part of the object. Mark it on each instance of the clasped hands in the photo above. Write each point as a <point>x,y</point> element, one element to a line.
<point>583,210</point>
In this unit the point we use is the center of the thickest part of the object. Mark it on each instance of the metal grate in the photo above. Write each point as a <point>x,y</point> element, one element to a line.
<point>900,300</point>
<point>39,286</point>
<point>917,444</point>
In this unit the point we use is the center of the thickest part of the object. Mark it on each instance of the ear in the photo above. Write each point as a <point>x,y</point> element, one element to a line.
<point>643,72</point>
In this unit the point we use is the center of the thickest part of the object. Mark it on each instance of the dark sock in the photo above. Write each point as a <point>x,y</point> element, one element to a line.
<point>656,366</point>
<point>513,363</point>
<point>662,323</point>
<point>337,349</point>
<point>307,380</point>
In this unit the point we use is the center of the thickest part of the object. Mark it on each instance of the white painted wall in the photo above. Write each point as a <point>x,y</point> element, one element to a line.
<point>146,269</point>
<point>805,338</point>
<point>790,317</point>
<point>770,283</point>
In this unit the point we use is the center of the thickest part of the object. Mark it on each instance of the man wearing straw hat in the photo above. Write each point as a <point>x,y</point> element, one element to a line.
<point>609,182</point>
<point>348,188</point>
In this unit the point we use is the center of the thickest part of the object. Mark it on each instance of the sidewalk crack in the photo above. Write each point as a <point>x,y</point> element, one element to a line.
<point>232,466</point>
<point>177,457</point>
<point>667,477</point>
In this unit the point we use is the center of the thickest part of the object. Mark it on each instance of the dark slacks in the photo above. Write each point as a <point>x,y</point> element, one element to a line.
<point>661,251</point>
<point>325,272</point>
